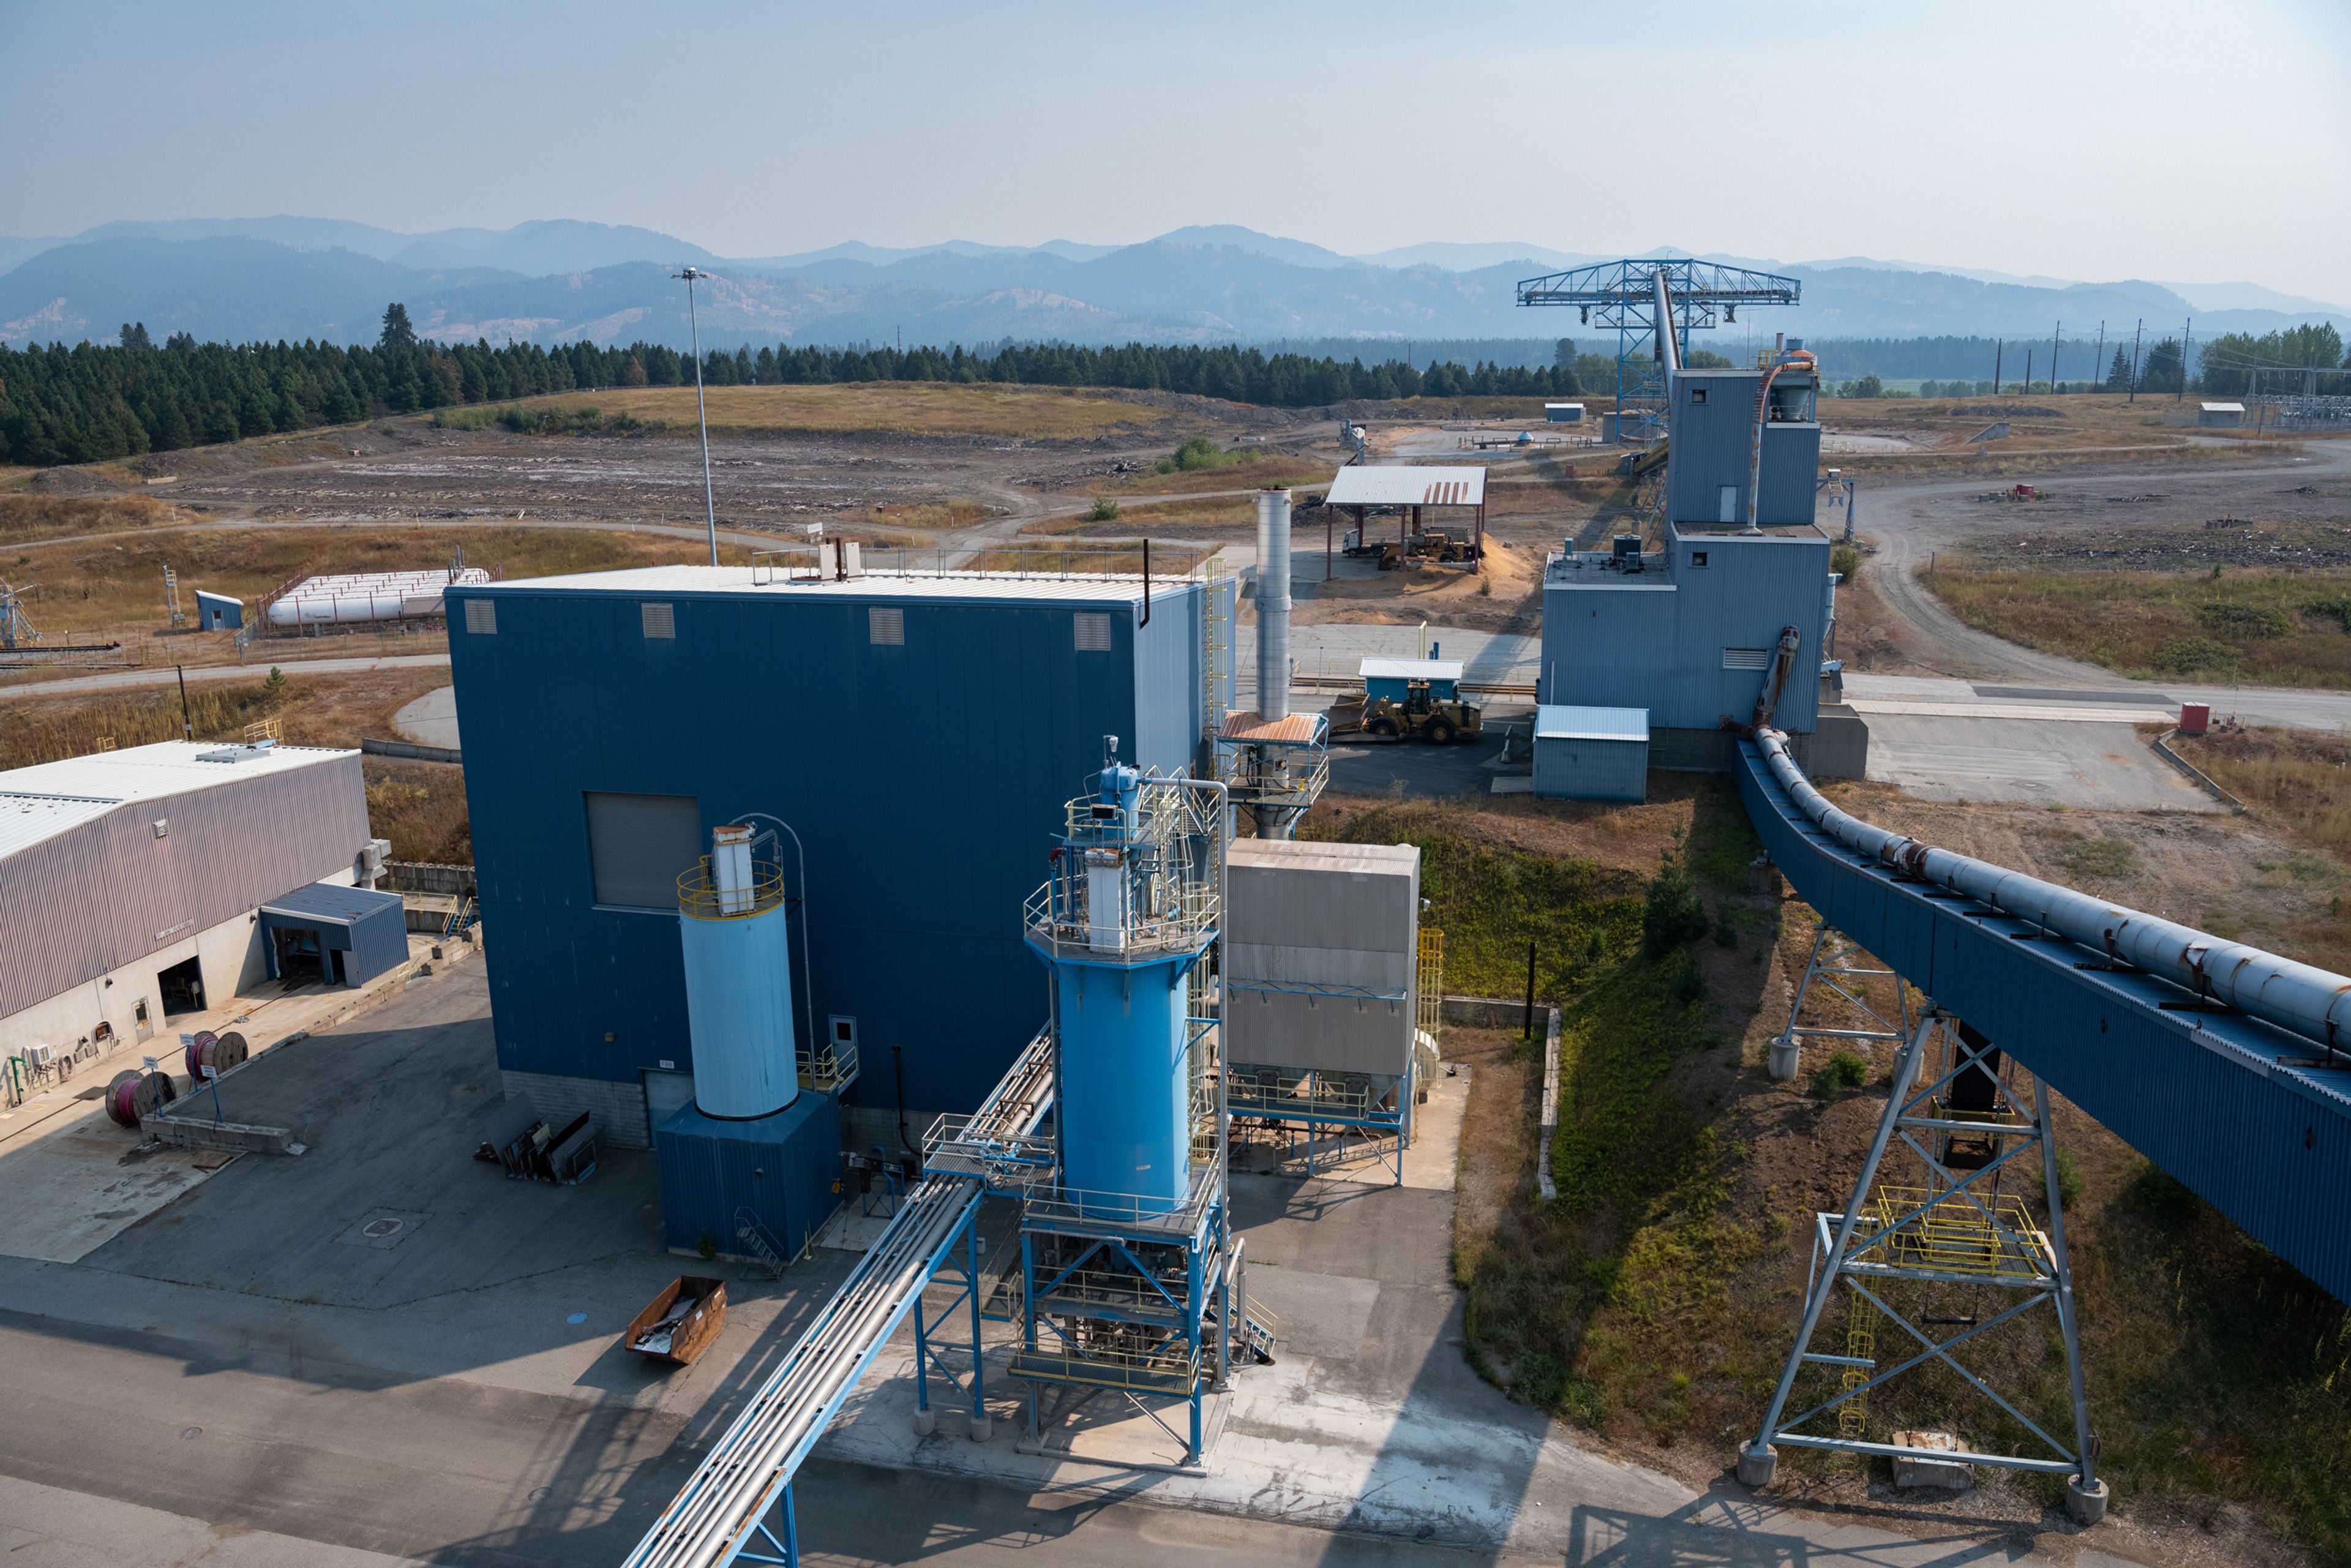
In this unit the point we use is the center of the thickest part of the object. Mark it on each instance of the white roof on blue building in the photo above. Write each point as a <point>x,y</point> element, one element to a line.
<point>1083,589</point>
<point>1563,723</point>
<point>1411,670</point>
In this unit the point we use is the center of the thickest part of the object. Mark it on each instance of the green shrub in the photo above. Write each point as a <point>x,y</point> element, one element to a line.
<point>1839,1076</point>
<point>1689,980</point>
<point>707,1246</point>
<point>1202,452</point>
<point>2244,622</point>
<point>1845,560</point>
<point>1105,510</point>
<point>2192,655</point>
<point>1673,917</point>
<point>2069,1178</point>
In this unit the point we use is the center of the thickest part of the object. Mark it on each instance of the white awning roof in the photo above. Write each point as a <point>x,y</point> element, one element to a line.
<point>1412,669</point>
<point>1365,485</point>
<point>1563,723</point>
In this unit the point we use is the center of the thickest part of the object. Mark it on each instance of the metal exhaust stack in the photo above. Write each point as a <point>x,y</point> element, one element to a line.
<point>1274,604</point>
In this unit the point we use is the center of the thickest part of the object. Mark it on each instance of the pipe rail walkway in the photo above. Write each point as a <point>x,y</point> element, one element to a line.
<point>749,1470</point>
<point>2227,1066</point>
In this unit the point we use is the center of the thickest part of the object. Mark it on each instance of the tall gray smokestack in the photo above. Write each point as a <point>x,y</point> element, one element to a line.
<point>1273,603</point>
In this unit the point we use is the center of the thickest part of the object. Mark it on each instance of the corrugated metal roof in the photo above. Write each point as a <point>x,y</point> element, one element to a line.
<point>1104,589</point>
<point>326,901</point>
<point>1399,484</point>
<point>147,772</point>
<point>1297,729</point>
<point>1411,670</point>
<point>1562,723</point>
<point>26,819</point>
<point>2222,407</point>
<point>1319,854</point>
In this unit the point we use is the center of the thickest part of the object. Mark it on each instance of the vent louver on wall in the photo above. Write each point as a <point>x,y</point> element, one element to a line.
<point>886,626</point>
<point>1093,631</point>
<point>659,619</point>
<point>1747,658</point>
<point>482,617</point>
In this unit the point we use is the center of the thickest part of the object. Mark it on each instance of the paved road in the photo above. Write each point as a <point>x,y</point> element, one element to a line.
<point>117,680</point>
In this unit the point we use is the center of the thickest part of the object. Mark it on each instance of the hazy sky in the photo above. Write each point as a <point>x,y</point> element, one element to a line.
<point>2156,139</point>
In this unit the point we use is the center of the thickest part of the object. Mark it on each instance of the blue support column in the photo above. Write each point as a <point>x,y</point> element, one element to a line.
<point>971,1262</point>
<point>1192,1328</point>
<point>921,1359</point>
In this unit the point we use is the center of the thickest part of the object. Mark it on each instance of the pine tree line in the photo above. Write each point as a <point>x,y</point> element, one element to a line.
<point>90,402</point>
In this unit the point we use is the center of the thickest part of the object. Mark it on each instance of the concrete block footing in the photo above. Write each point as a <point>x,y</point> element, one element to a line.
<point>2085,1505</point>
<point>926,1421</point>
<point>981,1426</point>
<point>1756,1466</point>
<point>233,1136</point>
<point>1784,1054</point>
<point>1930,1469</point>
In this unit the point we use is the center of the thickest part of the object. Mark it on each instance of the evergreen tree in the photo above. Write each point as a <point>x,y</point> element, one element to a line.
<point>2165,368</point>
<point>397,332</point>
<point>2118,376</point>
<point>134,335</point>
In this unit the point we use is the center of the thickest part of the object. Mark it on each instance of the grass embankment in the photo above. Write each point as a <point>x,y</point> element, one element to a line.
<point>2298,777</point>
<point>419,806</point>
<point>912,408</point>
<point>2255,627</point>
<point>27,516</point>
<point>118,584</point>
<point>1655,1302</point>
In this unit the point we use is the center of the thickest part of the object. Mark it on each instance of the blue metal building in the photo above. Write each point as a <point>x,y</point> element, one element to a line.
<point>1687,628</point>
<point>921,736</point>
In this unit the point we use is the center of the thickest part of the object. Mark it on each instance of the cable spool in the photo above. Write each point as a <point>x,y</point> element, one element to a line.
<point>195,1053</point>
<point>219,1052</point>
<point>133,1096</point>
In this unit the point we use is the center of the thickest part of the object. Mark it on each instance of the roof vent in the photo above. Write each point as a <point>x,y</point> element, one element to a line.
<point>235,753</point>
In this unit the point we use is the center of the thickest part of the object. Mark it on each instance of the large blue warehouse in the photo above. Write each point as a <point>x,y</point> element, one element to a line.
<point>920,735</point>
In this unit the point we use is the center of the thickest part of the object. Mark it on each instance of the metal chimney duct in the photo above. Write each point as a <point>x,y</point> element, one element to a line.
<point>1273,603</point>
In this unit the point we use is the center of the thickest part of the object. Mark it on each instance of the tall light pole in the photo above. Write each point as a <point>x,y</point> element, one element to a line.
<point>693,276</point>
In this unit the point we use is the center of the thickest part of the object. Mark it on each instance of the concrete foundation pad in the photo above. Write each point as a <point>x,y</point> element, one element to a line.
<point>1946,1474</point>
<point>1100,1426</point>
<point>1758,1466</point>
<point>2085,1505</point>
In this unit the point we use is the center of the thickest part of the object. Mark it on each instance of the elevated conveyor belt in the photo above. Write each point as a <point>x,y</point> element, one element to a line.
<point>710,1520</point>
<point>2218,1062</point>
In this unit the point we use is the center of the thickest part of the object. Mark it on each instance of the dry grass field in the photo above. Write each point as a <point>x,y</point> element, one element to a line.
<point>2258,626</point>
<point>27,516</point>
<point>1653,1303</point>
<point>913,408</point>
<point>2296,778</point>
<point>116,586</point>
<point>2090,427</point>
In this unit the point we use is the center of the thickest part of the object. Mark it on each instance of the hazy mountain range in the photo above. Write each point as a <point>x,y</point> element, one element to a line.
<point>561,279</point>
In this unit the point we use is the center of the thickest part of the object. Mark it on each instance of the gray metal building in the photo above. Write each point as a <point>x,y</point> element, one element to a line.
<point>1592,753</point>
<point>131,882</point>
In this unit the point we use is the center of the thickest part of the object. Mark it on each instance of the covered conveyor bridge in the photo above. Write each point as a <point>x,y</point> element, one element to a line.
<point>2229,1067</point>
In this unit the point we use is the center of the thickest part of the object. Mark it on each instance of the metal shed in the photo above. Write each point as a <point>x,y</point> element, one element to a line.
<point>787,1163</point>
<point>1592,753</point>
<point>2220,414</point>
<point>1563,414</point>
<point>219,612</point>
<point>1408,490</point>
<point>351,934</point>
<point>1391,678</point>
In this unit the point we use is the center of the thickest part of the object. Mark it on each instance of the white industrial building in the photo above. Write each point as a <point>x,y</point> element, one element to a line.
<point>133,883</point>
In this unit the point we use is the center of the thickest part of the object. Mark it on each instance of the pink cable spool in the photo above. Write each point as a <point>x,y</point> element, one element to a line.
<point>195,1052</point>
<point>122,1098</point>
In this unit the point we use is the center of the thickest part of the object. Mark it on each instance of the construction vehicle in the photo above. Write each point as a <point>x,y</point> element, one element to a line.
<point>1409,699</point>
<point>1429,544</point>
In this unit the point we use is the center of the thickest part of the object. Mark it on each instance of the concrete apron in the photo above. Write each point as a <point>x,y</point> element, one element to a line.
<point>77,1180</point>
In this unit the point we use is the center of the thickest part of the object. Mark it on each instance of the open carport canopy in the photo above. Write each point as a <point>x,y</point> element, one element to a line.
<point>372,927</point>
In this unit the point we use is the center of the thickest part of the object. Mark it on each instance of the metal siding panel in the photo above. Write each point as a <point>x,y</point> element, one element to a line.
<point>379,941</point>
<point>924,780</point>
<point>1792,461</point>
<point>93,898</point>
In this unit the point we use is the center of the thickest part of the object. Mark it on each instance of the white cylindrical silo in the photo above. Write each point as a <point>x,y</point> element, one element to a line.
<point>1273,603</point>
<point>739,981</point>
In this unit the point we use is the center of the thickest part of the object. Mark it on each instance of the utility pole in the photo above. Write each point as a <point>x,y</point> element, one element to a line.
<point>2136,332</point>
<point>2098,359</point>
<point>2185,332</point>
<point>2028,373</point>
<point>1996,346</point>
<point>2055,386</point>
<point>188,722</point>
<point>709,498</point>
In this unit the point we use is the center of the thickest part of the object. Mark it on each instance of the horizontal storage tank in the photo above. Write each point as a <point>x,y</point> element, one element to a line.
<point>739,980</point>
<point>356,599</point>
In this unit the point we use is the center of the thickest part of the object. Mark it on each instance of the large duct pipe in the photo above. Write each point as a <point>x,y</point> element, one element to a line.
<point>2308,1002</point>
<point>1273,603</point>
<point>1669,351</point>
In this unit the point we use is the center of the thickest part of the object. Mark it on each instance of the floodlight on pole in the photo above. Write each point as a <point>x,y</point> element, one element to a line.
<point>691,277</point>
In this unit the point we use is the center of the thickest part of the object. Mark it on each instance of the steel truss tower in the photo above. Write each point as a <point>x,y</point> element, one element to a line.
<point>1623,295</point>
<point>1954,1252</point>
